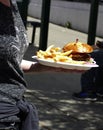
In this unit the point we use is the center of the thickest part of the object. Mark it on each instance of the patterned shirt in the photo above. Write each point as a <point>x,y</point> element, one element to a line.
<point>13,44</point>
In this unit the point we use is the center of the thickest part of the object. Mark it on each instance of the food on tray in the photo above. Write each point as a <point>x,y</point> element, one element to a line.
<point>54,54</point>
<point>80,51</point>
<point>57,54</point>
<point>78,47</point>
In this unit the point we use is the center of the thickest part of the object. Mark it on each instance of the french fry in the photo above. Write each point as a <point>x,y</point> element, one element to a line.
<point>66,53</point>
<point>54,54</point>
<point>52,50</point>
<point>49,48</point>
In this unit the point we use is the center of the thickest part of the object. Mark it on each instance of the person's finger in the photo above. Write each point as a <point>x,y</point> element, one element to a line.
<point>5,2</point>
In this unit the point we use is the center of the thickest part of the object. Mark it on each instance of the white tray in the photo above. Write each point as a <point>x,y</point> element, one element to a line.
<point>65,64</point>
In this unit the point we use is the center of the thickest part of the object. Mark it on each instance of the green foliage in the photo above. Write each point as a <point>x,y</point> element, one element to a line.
<point>68,25</point>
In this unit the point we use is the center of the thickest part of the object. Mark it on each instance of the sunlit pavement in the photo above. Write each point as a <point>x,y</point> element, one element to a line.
<point>52,92</point>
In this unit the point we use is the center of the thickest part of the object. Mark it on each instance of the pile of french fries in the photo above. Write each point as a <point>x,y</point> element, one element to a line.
<point>57,55</point>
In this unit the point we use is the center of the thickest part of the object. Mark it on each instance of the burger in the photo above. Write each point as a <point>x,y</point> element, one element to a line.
<point>80,51</point>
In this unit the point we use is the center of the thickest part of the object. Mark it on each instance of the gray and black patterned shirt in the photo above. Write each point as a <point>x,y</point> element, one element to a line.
<point>13,44</point>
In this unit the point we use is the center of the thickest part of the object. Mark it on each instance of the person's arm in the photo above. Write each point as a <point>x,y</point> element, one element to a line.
<point>33,67</point>
<point>27,65</point>
<point>5,2</point>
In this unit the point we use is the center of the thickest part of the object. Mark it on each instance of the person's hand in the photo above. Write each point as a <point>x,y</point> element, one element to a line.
<point>5,2</point>
<point>99,44</point>
<point>94,47</point>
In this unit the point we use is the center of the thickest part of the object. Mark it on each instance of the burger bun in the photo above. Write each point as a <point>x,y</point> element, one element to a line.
<point>78,47</point>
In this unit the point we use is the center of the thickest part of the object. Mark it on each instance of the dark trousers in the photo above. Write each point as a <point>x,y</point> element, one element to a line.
<point>9,126</point>
<point>92,80</point>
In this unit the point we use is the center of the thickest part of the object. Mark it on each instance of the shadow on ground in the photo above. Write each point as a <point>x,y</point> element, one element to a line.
<point>59,111</point>
<point>52,95</point>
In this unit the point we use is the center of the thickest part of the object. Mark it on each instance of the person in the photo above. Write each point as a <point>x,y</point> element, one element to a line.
<point>15,111</point>
<point>91,80</point>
